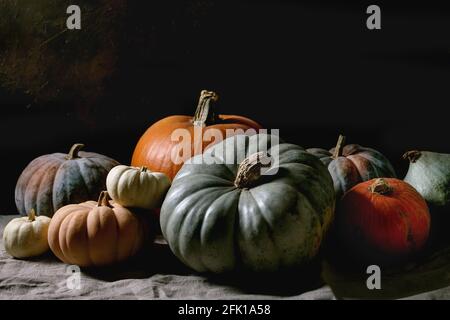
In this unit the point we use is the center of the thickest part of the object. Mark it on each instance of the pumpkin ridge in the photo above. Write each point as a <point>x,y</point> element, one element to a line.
<point>190,212</point>
<point>382,163</point>
<point>23,181</point>
<point>48,176</point>
<point>81,176</point>
<point>44,168</point>
<point>119,238</point>
<point>208,212</point>
<point>62,238</point>
<point>312,182</point>
<point>99,164</point>
<point>268,224</point>
<point>360,165</point>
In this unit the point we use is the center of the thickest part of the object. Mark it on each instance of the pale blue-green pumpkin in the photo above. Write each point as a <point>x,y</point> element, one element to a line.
<point>227,217</point>
<point>429,174</point>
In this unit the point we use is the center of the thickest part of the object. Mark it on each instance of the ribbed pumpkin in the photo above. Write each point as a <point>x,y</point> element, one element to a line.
<point>383,220</point>
<point>222,214</point>
<point>27,236</point>
<point>95,233</point>
<point>55,180</point>
<point>137,187</point>
<point>156,148</point>
<point>352,164</point>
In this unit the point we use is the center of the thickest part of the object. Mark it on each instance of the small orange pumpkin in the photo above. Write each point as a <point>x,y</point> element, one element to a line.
<point>95,233</point>
<point>154,149</point>
<point>383,220</point>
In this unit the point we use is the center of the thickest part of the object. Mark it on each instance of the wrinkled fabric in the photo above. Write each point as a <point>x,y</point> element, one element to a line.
<point>159,275</point>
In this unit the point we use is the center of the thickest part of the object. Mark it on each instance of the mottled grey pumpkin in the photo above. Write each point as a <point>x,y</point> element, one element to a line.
<point>429,174</point>
<point>227,217</point>
<point>55,180</point>
<point>352,164</point>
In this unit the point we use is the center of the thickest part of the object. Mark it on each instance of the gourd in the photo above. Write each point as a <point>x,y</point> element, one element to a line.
<point>352,164</point>
<point>95,233</point>
<point>383,220</point>
<point>51,181</point>
<point>137,187</point>
<point>222,214</point>
<point>429,173</point>
<point>26,237</point>
<point>161,152</point>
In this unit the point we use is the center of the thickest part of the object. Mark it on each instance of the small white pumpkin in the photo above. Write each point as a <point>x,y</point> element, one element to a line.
<point>137,187</point>
<point>27,236</point>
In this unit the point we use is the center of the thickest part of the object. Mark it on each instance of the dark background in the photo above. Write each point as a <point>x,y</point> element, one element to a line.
<point>309,68</point>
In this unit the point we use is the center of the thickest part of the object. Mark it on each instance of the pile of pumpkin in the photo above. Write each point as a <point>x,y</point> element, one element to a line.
<point>221,217</point>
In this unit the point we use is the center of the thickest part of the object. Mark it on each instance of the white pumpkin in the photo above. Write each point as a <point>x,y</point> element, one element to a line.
<point>27,236</point>
<point>137,187</point>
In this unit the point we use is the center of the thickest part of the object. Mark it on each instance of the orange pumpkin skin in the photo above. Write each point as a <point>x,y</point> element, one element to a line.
<point>384,219</point>
<point>154,149</point>
<point>95,234</point>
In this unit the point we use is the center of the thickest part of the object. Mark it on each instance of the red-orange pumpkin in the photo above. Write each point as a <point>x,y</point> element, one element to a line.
<point>156,147</point>
<point>383,220</point>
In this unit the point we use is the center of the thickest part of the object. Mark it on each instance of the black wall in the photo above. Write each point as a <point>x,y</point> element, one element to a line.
<point>309,68</point>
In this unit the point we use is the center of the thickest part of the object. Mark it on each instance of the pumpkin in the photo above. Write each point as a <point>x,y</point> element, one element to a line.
<point>51,181</point>
<point>221,216</point>
<point>352,164</point>
<point>95,233</point>
<point>137,187</point>
<point>161,152</point>
<point>383,219</point>
<point>27,236</point>
<point>429,173</point>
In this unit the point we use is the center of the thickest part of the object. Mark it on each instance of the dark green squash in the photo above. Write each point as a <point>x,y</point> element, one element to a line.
<point>352,164</point>
<point>220,217</point>
<point>52,181</point>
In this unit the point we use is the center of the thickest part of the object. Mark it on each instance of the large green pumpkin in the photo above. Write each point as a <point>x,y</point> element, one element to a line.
<point>227,217</point>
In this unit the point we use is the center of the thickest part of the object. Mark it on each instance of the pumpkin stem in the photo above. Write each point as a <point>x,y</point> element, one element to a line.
<point>103,200</point>
<point>249,170</point>
<point>73,153</point>
<point>202,114</point>
<point>412,156</point>
<point>32,215</point>
<point>381,186</point>
<point>339,147</point>
<point>143,169</point>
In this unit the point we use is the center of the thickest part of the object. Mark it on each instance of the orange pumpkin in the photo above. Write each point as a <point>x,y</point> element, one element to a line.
<point>157,148</point>
<point>95,233</point>
<point>383,220</point>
